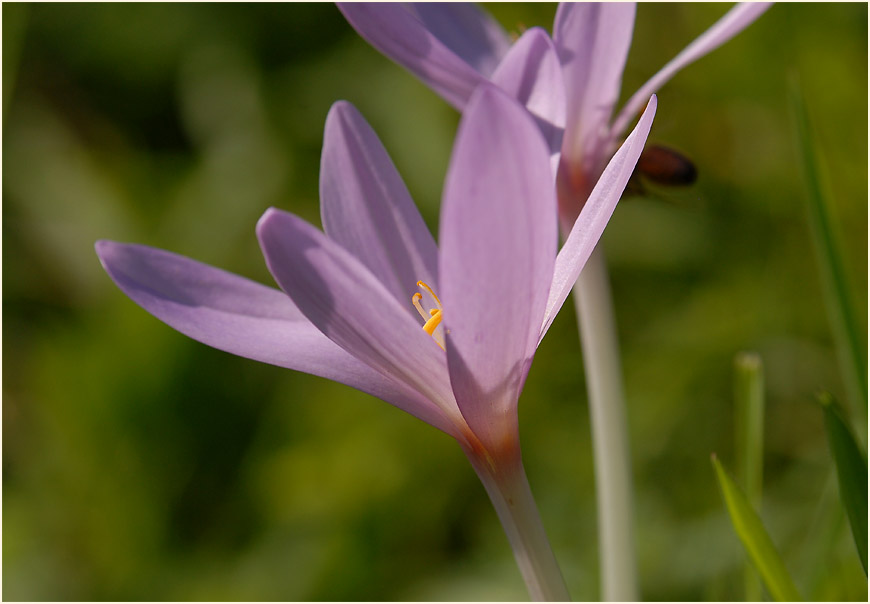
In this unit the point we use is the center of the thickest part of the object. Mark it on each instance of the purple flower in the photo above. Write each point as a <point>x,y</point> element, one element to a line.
<point>570,82</point>
<point>350,312</point>
<point>353,295</point>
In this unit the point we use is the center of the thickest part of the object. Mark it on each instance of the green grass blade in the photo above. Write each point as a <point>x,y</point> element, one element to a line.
<point>851,473</point>
<point>755,539</point>
<point>749,423</point>
<point>827,245</point>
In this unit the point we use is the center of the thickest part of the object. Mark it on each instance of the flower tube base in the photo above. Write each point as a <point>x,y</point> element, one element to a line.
<point>504,479</point>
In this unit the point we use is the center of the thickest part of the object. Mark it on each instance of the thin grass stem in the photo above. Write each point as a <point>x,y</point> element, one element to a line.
<point>828,247</point>
<point>749,433</point>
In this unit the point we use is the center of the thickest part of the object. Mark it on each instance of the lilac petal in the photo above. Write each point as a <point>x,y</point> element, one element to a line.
<point>734,21</point>
<point>531,73</point>
<point>466,30</point>
<point>498,244</point>
<point>399,34</point>
<point>595,214</point>
<point>242,317</point>
<point>367,209</point>
<point>593,41</point>
<point>349,305</point>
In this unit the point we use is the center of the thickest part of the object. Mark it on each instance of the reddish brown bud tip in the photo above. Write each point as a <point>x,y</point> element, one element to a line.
<point>666,167</point>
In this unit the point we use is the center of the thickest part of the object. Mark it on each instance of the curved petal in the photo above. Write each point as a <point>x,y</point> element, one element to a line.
<point>595,214</point>
<point>498,245</point>
<point>242,317</point>
<point>530,72</point>
<point>395,31</point>
<point>736,20</point>
<point>592,40</point>
<point>466,30</point>
<point>351,307</point>
<point>367,209</point>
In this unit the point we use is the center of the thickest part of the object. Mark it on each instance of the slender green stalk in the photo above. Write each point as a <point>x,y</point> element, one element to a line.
<point>598,340</point>
<point>749,423</point>
<point>755,539</point>
<point>508,489</point>
<point>827,245</point>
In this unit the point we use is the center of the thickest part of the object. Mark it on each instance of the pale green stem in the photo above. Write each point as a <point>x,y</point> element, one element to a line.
<point>508,489</point>
<point>598,340</point>
<point>749,421</point>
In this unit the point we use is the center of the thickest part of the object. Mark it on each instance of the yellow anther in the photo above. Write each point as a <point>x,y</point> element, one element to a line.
<point>433,317</point>
<point>431,293</point>
<point>435,321</point>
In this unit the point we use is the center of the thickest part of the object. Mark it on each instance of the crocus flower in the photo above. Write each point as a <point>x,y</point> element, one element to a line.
<point>353,295</point>
<point>570,82</point>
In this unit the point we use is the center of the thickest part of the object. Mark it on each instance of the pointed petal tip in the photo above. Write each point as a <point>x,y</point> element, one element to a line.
<point>651,107</point>
<point>495,99</point>
<point>108,250</point>
<point>536,37</point>
<point>103,248</point>
<point>102,245</point>
<point>644,122</point>
<point>342,117</point>
<point>268,217</point>
<point>340,107</point>
<point>538,33</point>
<point>485,91</point>
<point>267,225</point>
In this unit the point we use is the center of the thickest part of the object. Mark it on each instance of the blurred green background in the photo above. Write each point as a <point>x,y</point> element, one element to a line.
<point>138,464</point>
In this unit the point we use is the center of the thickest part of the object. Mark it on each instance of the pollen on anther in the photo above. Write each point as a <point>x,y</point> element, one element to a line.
<point>432,319</point>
